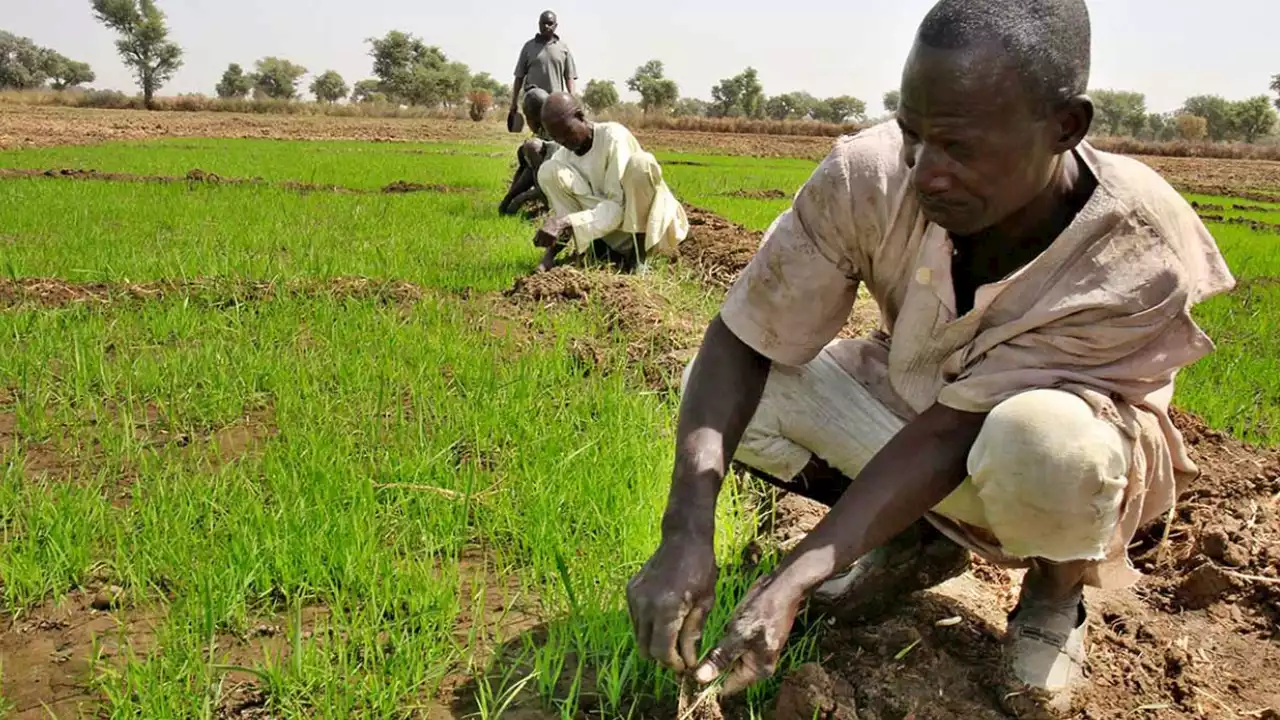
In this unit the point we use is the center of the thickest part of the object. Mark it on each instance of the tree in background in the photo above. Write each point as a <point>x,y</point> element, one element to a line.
<point>1254,117</point>
<point>22,63</point>
<point>690,107</point>
<point>481,101</point>
<point>1160,127</point>
<point>67,73</point>
<point>415,73</point>
<point>485,81</point>
<point>844,108</point>
<point>656,90</point>
<point>1275,87</point>
<point>368,91</point>
<point>234,83</point>
<point>739,96</point>
<point>790,106</point>
<point>329,87</point>
<point>600,95</point>
<point>892,100</point>
<point>1119,112</point>
<point>144,43</point>
<point>277,78</point>
<point>1217,114</point>
<point>1191,128</point>
<point>25,66</point>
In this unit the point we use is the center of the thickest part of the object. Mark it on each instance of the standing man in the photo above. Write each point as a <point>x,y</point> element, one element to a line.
<point>1036,300</point>
<point>545,62</point>
<point>545,66</point>
<point>607,195</point>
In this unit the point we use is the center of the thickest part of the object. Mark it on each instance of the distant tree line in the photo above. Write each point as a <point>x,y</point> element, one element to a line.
<point>740,96</point>
<point>1203,117</point>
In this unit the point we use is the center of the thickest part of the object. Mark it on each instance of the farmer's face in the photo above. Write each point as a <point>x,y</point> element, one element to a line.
<point>977,147</point>
<point>570,130</point>
<point>547,25</point>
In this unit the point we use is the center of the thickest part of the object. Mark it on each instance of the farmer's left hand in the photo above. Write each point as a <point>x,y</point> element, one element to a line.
<point>755,637</point>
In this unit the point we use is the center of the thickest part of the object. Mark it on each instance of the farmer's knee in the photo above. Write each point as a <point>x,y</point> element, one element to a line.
<point>643,167</point>
<point>557,176</point>
<point>1050,476</point>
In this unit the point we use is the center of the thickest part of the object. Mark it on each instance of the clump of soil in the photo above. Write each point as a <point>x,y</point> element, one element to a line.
<point>717,248</point>
<point>811,693</point>
<point>1208,207</point>
<point>660,340</point>
<point>760,194</point>
<point>696,703</point>
<point>401,187</point>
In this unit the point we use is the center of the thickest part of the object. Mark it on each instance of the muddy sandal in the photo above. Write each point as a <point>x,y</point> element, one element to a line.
<point>1044,654</point>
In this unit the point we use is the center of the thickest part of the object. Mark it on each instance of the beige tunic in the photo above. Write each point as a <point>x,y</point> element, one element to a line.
<point>1103,313</point>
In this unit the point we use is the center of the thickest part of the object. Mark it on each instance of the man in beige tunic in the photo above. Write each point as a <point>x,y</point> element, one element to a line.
<point>1035,297</point>
<point>607,195</point>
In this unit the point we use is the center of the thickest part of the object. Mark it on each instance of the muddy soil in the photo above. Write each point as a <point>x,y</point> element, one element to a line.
<point>196,176</point>
<point>1196,639</point>
<point>1212,176</point>
<point>25,126</point>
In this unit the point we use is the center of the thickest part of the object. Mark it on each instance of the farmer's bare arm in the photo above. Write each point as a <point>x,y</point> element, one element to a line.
<point>670,597</point>
<point>516,86</point>
<point>914,472</point>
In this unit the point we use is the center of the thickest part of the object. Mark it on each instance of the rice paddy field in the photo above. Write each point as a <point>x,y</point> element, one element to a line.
<point>286,431</point>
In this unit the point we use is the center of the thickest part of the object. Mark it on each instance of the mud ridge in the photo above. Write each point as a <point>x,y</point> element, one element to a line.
<point>1230,192</point>
<point>771,194</point>
<point>56,292</point>
<point>1258,225</point>
<point>196,177</point>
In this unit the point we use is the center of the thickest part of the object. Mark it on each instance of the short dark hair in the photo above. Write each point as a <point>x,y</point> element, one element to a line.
<point>1049,41</point>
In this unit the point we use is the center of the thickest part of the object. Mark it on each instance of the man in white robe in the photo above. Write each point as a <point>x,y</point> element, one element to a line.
<point>607,195</point>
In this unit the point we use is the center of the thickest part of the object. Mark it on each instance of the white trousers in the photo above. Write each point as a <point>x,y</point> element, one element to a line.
<point>1047,477</point>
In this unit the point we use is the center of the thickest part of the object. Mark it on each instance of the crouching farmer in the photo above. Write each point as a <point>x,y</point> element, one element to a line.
<point>1035,297</point>
<point>529,157</point>
<point>607,196</point>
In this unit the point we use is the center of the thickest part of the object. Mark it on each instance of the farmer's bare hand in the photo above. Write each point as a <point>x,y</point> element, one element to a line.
<point>755,637</point>
<point>552,230</point>
<point>670,598</point>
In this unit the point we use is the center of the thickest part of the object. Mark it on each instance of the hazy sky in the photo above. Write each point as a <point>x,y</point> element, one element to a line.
<point>1168,49</point>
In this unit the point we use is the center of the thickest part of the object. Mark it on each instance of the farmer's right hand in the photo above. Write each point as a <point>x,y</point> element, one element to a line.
<point>670,599</point>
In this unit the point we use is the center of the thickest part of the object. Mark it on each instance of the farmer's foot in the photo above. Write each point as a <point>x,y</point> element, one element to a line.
<point>1045,645</point>
<point>917,559</point>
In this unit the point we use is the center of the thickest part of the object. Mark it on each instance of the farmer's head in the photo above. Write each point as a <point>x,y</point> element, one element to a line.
<point>532,104</point>
<point>565,121</point>
<point>547,24</point>
<point>993,95</point>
